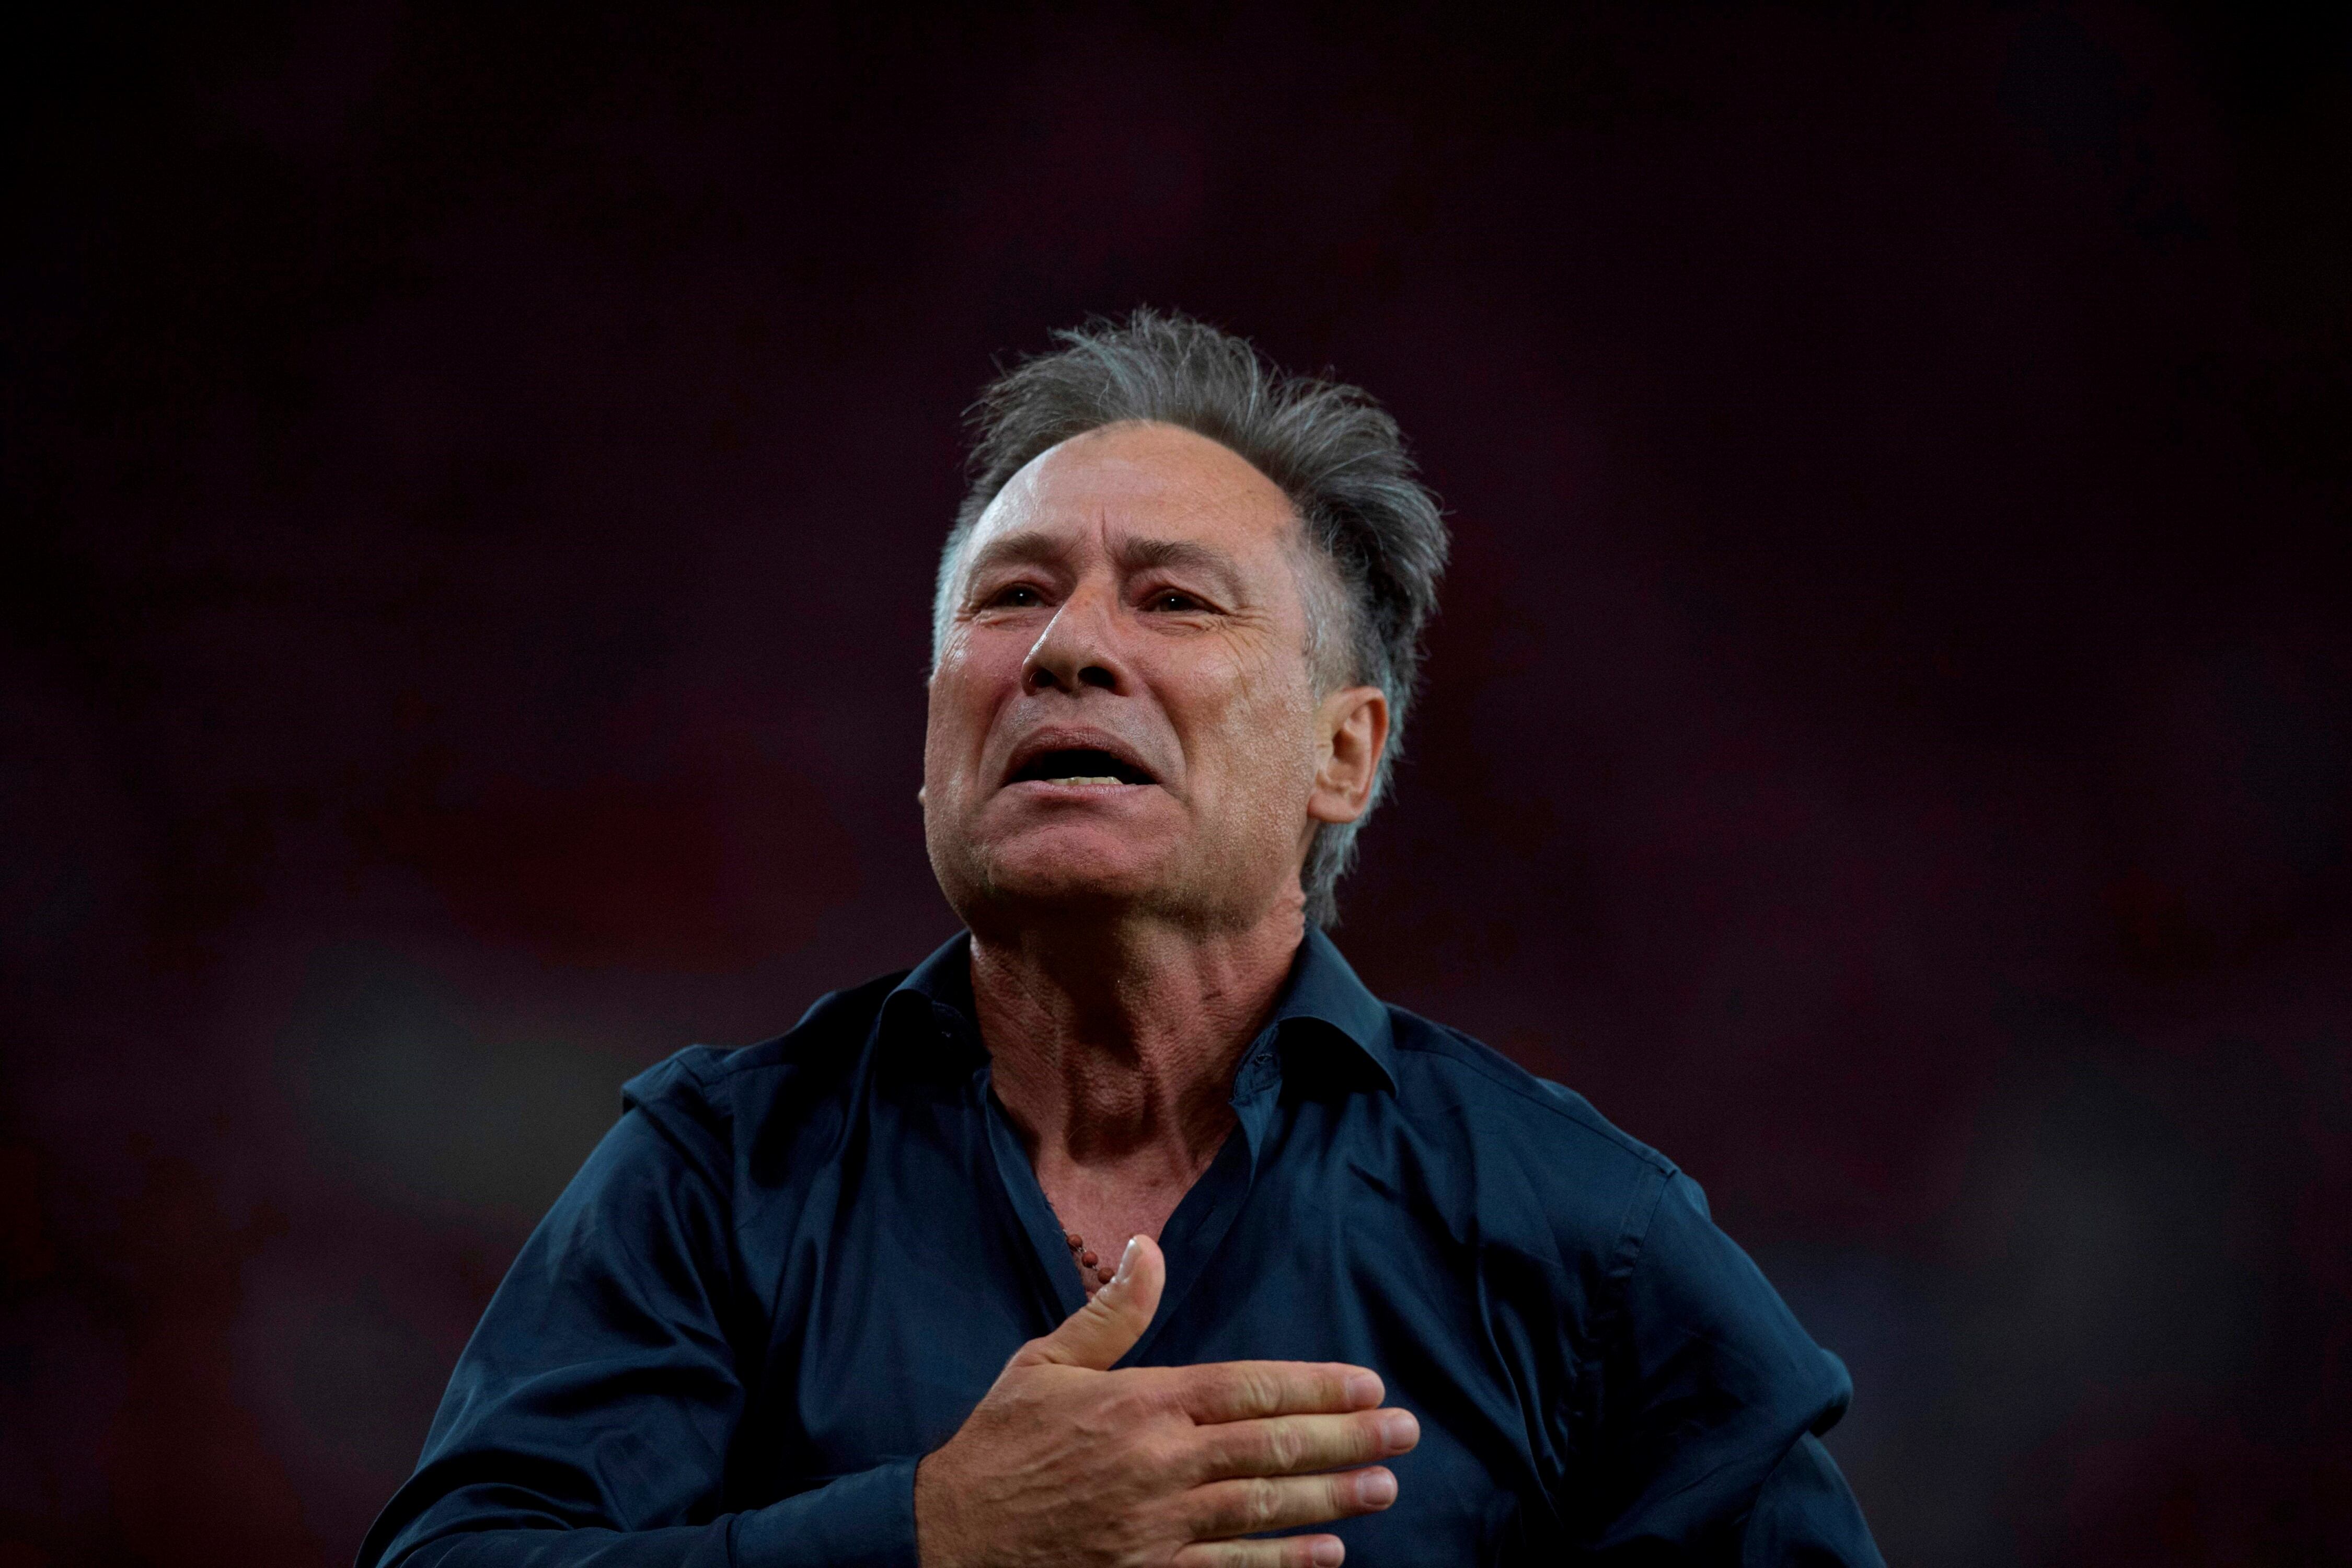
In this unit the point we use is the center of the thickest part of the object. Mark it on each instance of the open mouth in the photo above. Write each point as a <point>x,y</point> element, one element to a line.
<point>1080,766</point>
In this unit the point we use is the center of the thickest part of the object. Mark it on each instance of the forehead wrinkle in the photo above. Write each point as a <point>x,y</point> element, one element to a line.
<point>1021,544</point>
<point>1144,554</point>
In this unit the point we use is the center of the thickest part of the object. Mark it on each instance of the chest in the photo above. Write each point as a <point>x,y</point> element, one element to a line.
<point>885,1333</point>
<point>1098,1215</point>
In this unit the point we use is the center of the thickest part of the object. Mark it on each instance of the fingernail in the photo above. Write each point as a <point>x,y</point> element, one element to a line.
<point>1376,1488</point>
<point>1329,1554</point>
<point>1363,1390</point>
<point>1399,1430</point>
<point>1126,1259</point>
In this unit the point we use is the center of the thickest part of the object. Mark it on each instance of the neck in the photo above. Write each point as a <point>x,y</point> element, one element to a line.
<point>1114,1045</point>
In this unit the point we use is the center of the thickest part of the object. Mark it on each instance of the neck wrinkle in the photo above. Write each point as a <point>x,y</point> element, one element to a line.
<point>1116,1048</point>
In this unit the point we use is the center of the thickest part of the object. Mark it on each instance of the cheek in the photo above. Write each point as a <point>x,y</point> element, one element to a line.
<point>1266,730</point>
<point>960,698</point>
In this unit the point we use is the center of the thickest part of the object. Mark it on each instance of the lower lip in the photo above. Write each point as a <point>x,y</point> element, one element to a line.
<point>1076,791</point>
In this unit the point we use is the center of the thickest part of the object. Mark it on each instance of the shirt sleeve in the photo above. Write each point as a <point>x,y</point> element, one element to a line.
<point>591,1417</point>
<point>1711,1398</point>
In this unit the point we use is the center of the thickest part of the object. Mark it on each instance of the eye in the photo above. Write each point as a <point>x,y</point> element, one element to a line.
<point>1015,596</point>
<point>1174,601</point>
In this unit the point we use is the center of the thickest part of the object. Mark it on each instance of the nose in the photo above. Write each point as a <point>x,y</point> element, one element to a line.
<point>1076,649</point>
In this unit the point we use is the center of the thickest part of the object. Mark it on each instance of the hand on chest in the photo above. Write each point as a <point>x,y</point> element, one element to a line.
<point>929,1348</point>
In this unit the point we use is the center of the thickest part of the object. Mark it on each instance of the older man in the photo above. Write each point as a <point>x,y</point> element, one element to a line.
<point>1130,1228</point>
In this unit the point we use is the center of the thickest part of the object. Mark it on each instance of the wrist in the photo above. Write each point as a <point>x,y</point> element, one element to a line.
<point>938,1542</point>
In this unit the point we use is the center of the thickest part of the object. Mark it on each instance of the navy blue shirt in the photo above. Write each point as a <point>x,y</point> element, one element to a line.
<point>792,1270</point>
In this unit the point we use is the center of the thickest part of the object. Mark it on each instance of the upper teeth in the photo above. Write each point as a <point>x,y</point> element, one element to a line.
<point>1087,778</point>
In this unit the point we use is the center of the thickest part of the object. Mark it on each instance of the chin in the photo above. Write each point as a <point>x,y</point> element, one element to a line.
<point>1043,875</point>
<point>1041,871</point>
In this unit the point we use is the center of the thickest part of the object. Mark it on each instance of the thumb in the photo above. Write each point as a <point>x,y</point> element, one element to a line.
<point>1108,1326</point>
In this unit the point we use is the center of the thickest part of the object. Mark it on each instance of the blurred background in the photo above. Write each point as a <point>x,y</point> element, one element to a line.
<point>472,481</point>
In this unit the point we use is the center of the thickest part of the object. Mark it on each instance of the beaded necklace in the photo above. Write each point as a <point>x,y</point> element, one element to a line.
<point>1091,1268</point>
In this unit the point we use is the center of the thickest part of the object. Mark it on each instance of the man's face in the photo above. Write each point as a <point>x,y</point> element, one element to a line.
<point>1123,713</point>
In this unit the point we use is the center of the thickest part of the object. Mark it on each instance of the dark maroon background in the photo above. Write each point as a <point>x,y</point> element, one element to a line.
<point>473,482</point>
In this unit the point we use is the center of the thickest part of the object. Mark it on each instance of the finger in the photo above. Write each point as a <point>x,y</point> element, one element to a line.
<point>1255,1506</point>
<point>1244,1390</point>
<point>1293,1445</point>
<point>1286,1552</point>
<point>1108,1326</point>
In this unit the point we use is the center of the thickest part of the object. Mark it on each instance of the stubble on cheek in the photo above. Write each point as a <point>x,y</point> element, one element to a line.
<point>955,736</point>
<point>1269,745</point>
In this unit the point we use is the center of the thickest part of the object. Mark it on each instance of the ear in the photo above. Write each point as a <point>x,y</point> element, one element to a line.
<point>1351,732</point>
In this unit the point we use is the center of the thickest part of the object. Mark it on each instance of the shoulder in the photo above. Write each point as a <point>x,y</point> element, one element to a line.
<point>715,1102</point>
<point>1595,1185</point>
<point>1551,1170</point>
<point>1443,1070</point>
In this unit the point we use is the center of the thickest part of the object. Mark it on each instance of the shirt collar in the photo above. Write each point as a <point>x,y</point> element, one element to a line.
<point>1324,991</point>
<point>1323,1012</point>
<point>930,1016</point>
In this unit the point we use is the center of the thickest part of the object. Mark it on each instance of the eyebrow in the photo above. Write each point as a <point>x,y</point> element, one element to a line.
<point>1144,554</point>
<point>1034,547</point>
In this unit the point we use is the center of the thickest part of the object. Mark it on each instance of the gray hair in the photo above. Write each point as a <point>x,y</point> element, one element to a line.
<point>1336,453</point>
